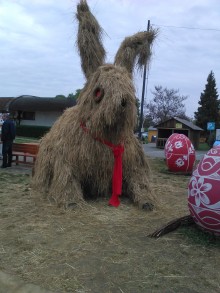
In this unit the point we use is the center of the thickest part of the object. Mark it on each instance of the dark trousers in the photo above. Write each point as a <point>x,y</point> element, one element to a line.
<point>7,153</point>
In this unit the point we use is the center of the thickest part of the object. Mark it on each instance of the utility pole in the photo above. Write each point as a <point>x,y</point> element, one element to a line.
<point>143,90</point>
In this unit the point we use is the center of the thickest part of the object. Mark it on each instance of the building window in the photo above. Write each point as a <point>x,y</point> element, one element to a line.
<point>28,116</point>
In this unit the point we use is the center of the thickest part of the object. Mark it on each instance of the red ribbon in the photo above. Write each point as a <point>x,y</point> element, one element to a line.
<point>117,173</point>
<point>117,170</point>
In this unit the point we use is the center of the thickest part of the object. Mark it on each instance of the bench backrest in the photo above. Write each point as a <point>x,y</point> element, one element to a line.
<point>25,148</point>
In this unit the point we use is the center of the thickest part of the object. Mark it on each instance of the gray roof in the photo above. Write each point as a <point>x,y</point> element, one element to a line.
<point>33,103</point>
<point>188,123</point>
<point>183,121</point>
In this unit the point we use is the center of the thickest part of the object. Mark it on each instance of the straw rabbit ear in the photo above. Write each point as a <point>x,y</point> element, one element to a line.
<point>89,40</point>
<point>136,47</point>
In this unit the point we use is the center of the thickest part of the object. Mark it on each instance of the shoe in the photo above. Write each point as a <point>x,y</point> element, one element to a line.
<point>3,166</point>
<point>9,165</point>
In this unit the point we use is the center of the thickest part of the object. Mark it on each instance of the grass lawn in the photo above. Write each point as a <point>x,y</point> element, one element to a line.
<point>23,139</point>
<point>98,248</point>
<point>203,147</point>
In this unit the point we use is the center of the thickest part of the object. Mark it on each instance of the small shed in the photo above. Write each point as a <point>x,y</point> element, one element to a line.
<point>177,125</point>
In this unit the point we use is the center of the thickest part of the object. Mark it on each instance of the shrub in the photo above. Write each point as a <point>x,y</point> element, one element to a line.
<point>31,130</point>
<point>211,139</point>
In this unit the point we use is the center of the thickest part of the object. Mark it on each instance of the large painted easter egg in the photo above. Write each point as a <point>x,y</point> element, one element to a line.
<point>179,153</point>
<point>204,192</point>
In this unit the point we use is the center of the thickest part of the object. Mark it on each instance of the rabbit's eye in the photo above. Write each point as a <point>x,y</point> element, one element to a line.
<point>98,94</point>
<point>123,103</point>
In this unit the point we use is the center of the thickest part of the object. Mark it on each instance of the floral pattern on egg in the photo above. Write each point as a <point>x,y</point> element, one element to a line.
<point>204,192</point>
<point>179,153</point>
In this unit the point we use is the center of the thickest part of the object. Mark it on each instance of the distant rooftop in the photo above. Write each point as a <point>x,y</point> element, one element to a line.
<point>183,121</point>
<point>33,103</point>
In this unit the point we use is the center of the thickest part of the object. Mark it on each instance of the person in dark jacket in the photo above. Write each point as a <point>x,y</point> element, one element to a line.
<point>7,137</point>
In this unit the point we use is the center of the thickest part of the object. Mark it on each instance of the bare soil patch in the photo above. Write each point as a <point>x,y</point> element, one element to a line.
<point>103,249</point>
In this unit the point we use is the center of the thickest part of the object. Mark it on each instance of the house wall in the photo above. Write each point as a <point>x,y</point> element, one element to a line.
<point>151,133</point>
<point>43,118</point>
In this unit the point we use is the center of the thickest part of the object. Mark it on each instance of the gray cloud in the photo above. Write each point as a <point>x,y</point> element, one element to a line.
<point>39,57</point>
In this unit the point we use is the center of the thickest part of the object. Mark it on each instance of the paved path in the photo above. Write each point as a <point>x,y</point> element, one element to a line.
<point>19,169</point>
<point>151,150</point>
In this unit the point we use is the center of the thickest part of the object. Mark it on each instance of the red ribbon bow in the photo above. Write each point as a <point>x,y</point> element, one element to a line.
<point>117,170</point>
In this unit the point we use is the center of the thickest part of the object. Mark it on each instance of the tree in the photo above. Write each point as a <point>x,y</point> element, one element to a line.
<point>208,111</point>
<point>138,114</point>
<point>74,96</point>
<point>166,103</point>
<point>60,97</point>
<point>70,96</point>
<point>147,121</point>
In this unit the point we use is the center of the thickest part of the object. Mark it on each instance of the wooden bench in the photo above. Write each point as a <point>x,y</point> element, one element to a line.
<point>160,143</point>
<point>24,153</point>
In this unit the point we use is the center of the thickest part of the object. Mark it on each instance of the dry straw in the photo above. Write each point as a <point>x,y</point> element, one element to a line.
<point>89,40</point>
<point>136,45</point>
<point>72,164</point>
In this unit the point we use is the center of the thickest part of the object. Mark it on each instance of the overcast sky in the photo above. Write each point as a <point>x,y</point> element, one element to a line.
<point>38,54</point>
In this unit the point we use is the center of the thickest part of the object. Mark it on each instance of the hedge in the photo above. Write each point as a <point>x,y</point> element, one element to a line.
<point>31,131</point>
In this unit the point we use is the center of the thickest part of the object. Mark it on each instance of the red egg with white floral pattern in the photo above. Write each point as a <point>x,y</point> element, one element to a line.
<point>204,192</point>
<point>179,153</point>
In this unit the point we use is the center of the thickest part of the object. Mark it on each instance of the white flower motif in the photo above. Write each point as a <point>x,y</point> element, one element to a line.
<point>191,150</point>
<point>213,151</point>
<point>178,144</point>
<point>199,189</point>
<point>180,136</point>
<point>179,162</point>
<point>169,147</point>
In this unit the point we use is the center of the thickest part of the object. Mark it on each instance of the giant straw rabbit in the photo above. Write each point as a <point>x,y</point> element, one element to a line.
<point>91,150</point>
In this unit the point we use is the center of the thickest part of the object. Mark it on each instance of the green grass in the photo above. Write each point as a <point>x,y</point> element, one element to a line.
<point>22,139</point>
<point>200,237</point>
<point>204,147</point>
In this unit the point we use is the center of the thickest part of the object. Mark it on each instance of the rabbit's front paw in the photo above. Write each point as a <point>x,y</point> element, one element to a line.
<point>148,206</point>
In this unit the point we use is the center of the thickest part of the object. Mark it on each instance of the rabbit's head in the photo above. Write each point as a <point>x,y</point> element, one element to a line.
<point>107,103</point>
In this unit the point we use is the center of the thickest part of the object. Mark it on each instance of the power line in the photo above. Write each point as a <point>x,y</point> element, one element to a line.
<point>190,28</point>
<point>177,27</point>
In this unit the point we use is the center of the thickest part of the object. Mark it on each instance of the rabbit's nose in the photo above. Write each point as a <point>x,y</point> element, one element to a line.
<point>123,103</point>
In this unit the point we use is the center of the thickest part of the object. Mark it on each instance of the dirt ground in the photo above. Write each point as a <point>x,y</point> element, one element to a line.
<point>103,249</point>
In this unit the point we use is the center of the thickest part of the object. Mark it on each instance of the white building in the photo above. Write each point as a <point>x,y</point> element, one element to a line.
<point>37,111</point>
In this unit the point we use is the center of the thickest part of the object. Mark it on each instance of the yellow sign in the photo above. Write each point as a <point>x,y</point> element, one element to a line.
<point>179,125</point>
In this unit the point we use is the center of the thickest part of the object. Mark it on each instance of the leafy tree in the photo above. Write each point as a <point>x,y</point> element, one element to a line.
<point>166,103</point>
<point>138,104</point>
<point>70,96</point>
<point>138,114</point>
<point>60,97</point>
<point>74,96</point>
<point>147,121</point>
<point>208,111</point>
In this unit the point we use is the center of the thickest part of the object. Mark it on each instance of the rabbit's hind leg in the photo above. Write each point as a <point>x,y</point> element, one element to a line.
<point>66,192</point>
